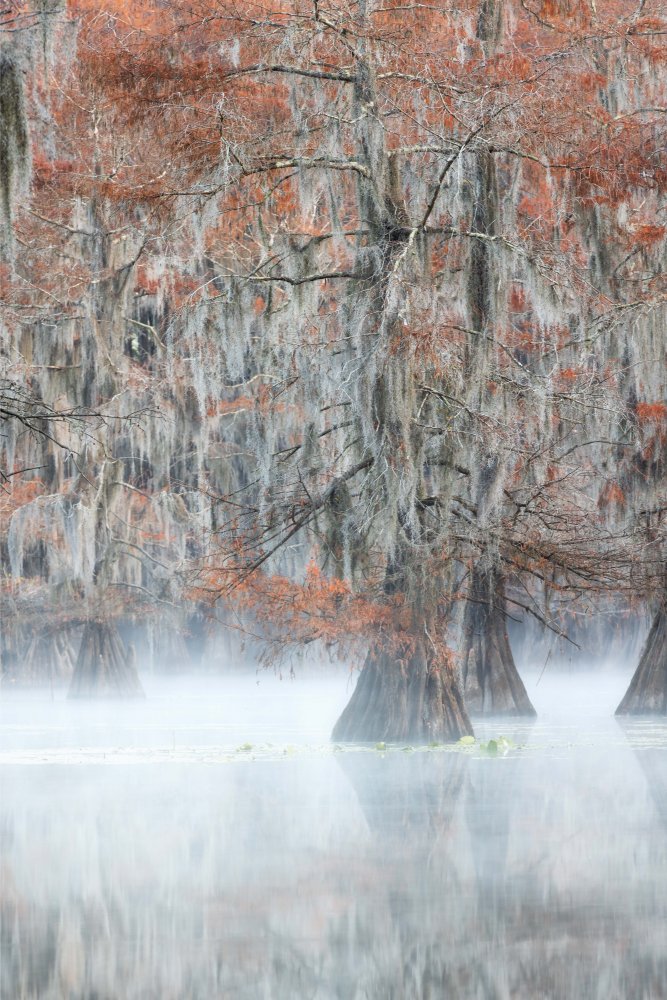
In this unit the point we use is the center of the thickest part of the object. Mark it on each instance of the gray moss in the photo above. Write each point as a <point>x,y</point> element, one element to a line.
<point>14,139</point>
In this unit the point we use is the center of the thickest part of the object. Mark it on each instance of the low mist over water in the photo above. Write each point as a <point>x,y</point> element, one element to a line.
<point>211,842</point>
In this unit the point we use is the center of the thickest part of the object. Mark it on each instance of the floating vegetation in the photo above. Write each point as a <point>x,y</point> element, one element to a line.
<point>249,752</point>
<point>497,747</point>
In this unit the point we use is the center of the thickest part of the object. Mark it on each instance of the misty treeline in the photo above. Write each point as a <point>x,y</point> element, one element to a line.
<point>341,324</point>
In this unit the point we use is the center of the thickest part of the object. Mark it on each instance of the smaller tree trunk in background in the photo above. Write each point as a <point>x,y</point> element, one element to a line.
<point>491,682</point>
<point>104,668</point>
<point>647,694</point>
<point>170,652</point>
<point>414,698</point>
<point>50,657</point>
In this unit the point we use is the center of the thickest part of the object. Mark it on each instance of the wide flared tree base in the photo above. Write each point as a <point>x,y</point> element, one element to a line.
<point>647,694</point>
<point>413,699</point>
<point>50,657</point>
<point>491,682</point>
<point>104,669</point>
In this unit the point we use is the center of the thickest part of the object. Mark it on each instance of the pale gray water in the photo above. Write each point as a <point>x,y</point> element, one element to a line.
<point>143,854</point>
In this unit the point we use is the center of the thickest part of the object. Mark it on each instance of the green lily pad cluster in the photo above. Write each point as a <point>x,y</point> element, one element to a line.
<point>497,747</point>
<point>493,748</point>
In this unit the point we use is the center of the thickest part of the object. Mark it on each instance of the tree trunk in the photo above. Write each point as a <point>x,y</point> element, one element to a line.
<point>647,694</point>
<point>396,699</point>
<point>170,652</point>
<point>104,669</point>
<point>491,682</point>
<point>50,657</point>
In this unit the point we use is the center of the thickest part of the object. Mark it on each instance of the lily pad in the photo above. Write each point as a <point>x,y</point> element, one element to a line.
<point>500,745</point>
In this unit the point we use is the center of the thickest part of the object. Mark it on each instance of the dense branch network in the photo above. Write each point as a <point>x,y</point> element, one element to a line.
<point>386,285</point>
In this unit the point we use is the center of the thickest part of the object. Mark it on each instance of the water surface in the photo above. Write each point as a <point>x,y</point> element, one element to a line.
<point>211,842</point>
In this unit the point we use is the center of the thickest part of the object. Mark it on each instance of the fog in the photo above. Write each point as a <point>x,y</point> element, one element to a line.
<point>212,842</point>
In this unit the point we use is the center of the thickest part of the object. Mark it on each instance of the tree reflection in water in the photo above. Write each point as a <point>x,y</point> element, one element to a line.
<point>351,875</point>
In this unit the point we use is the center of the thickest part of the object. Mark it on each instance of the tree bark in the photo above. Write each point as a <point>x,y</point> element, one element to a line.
<point>104,668</point>
<point>413,698</point>
<point>50,656</point>
<point>647,694</point>
<point>491,682</point>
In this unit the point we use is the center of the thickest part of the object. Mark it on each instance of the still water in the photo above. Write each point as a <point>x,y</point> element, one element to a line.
<point>211,843</point>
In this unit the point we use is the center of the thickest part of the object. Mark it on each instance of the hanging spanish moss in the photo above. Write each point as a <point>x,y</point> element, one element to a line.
<point>14,140</point>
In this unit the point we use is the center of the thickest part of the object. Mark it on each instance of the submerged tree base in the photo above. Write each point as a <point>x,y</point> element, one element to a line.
<point>397,699</point>
<point>104,669</point>
<point>491,682</point>
<point>647,693</point>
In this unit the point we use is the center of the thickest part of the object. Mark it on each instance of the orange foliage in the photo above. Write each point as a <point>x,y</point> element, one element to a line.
<point>222,407</point>
<point>647,235</point>
<point>16,494</point>
<point>318,609</point>
<point>651,413</point>
<point>517,300</point>
<point>611,495</point>
<point>144,284</point>
<point>571,380</point>
<point>154,74</point>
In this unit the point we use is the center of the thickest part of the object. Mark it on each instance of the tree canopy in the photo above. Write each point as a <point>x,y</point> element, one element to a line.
<point>344,318</point>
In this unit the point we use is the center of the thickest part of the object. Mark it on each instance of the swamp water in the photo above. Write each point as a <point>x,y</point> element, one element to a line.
<point>211,843</point>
